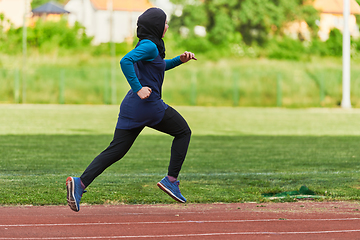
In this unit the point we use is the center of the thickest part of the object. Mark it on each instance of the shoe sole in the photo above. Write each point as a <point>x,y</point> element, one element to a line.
<point>70,186</point>
<point>162,187</point>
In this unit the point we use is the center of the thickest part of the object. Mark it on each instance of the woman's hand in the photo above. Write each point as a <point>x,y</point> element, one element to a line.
<point>187,56</point>
<point>144,92</point>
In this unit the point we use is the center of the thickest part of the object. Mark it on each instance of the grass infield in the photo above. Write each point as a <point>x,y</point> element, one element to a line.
<point>235,155</point>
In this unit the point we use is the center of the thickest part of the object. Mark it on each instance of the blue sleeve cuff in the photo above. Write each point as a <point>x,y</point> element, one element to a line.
<point>171,63</point>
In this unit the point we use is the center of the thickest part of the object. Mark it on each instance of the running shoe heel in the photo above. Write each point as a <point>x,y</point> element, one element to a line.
<point>74,193</point>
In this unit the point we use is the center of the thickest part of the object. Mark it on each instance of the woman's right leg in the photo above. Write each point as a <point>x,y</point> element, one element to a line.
<point>175,125</point>
<point>120,145</point>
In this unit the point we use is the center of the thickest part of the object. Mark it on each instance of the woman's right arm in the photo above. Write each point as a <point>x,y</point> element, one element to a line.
<point>145,51</point>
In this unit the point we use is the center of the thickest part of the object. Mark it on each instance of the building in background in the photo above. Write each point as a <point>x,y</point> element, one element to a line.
<point>107,19</point>
<point>331,16</point>
<point>14,11</point>
<point>49,12</point>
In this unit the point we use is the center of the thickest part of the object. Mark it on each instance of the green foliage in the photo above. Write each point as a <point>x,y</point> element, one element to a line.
<point>356,44</point>
<point>255,20</point>
<point>292,49</point>
<point>318,47</point>
<point>56,36</point>
<point>334,43</point>
<point>311,16</point>
<point>333,46</point>
<point>47,36</point>
<point>38,3</point>
<point>11,41</point>
<point>235,28</point>
<point>4,36</point>
<point>257,23</point>
<point>2,33</point>
<point>286,48</point>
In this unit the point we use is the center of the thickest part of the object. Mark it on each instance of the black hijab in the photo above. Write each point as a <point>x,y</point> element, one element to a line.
<point>150,25</point>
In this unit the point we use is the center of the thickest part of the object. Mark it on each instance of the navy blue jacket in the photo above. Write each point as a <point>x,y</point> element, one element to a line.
<point>144,67</point>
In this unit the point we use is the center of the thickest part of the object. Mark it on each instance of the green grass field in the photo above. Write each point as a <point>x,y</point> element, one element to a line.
<point>235,155</point>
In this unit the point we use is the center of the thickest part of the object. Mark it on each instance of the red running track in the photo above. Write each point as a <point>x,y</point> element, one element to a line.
<point>300,220</point>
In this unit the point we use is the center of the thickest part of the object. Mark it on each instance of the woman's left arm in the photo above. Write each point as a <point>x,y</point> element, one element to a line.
<point>183,58</point>
<point>171,63</point>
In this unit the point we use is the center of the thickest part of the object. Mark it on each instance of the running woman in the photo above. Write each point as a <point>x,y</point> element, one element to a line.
<point>144,69</point>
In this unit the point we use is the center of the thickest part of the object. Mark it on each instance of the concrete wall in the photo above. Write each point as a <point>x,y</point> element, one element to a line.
<point>97,22</point>
<point>14,11</point>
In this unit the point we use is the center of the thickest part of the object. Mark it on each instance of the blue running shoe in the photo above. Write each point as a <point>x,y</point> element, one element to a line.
<point>74,192</point>
<point>172,189</point>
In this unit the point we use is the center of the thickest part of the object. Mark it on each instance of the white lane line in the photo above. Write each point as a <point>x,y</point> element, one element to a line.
<point>211,174</point>
<point>188,235</point>
<point>174,222</point>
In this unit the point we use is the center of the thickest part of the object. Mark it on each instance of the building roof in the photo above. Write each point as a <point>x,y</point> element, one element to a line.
<point>336,6</point>
<point>123,5</point>
<point>50,7</point>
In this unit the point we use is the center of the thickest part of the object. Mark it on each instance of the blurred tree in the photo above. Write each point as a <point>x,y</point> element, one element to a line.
<point>2,19</point>
<point>46,36</point>
<point>335,42</point>
<point>38,3</point>
<point>255,20</point>
<point>357,16</point>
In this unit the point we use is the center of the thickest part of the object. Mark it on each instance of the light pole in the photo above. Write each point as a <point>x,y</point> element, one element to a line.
<point>24,48</point>
<point>345,102</point>
<point>112,52</point>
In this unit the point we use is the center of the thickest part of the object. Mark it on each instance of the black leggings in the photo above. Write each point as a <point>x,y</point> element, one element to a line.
<point>172,123</point>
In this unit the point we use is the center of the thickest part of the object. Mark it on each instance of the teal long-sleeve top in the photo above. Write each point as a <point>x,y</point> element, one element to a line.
<point>143,66</point>
<point>146,50</point>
